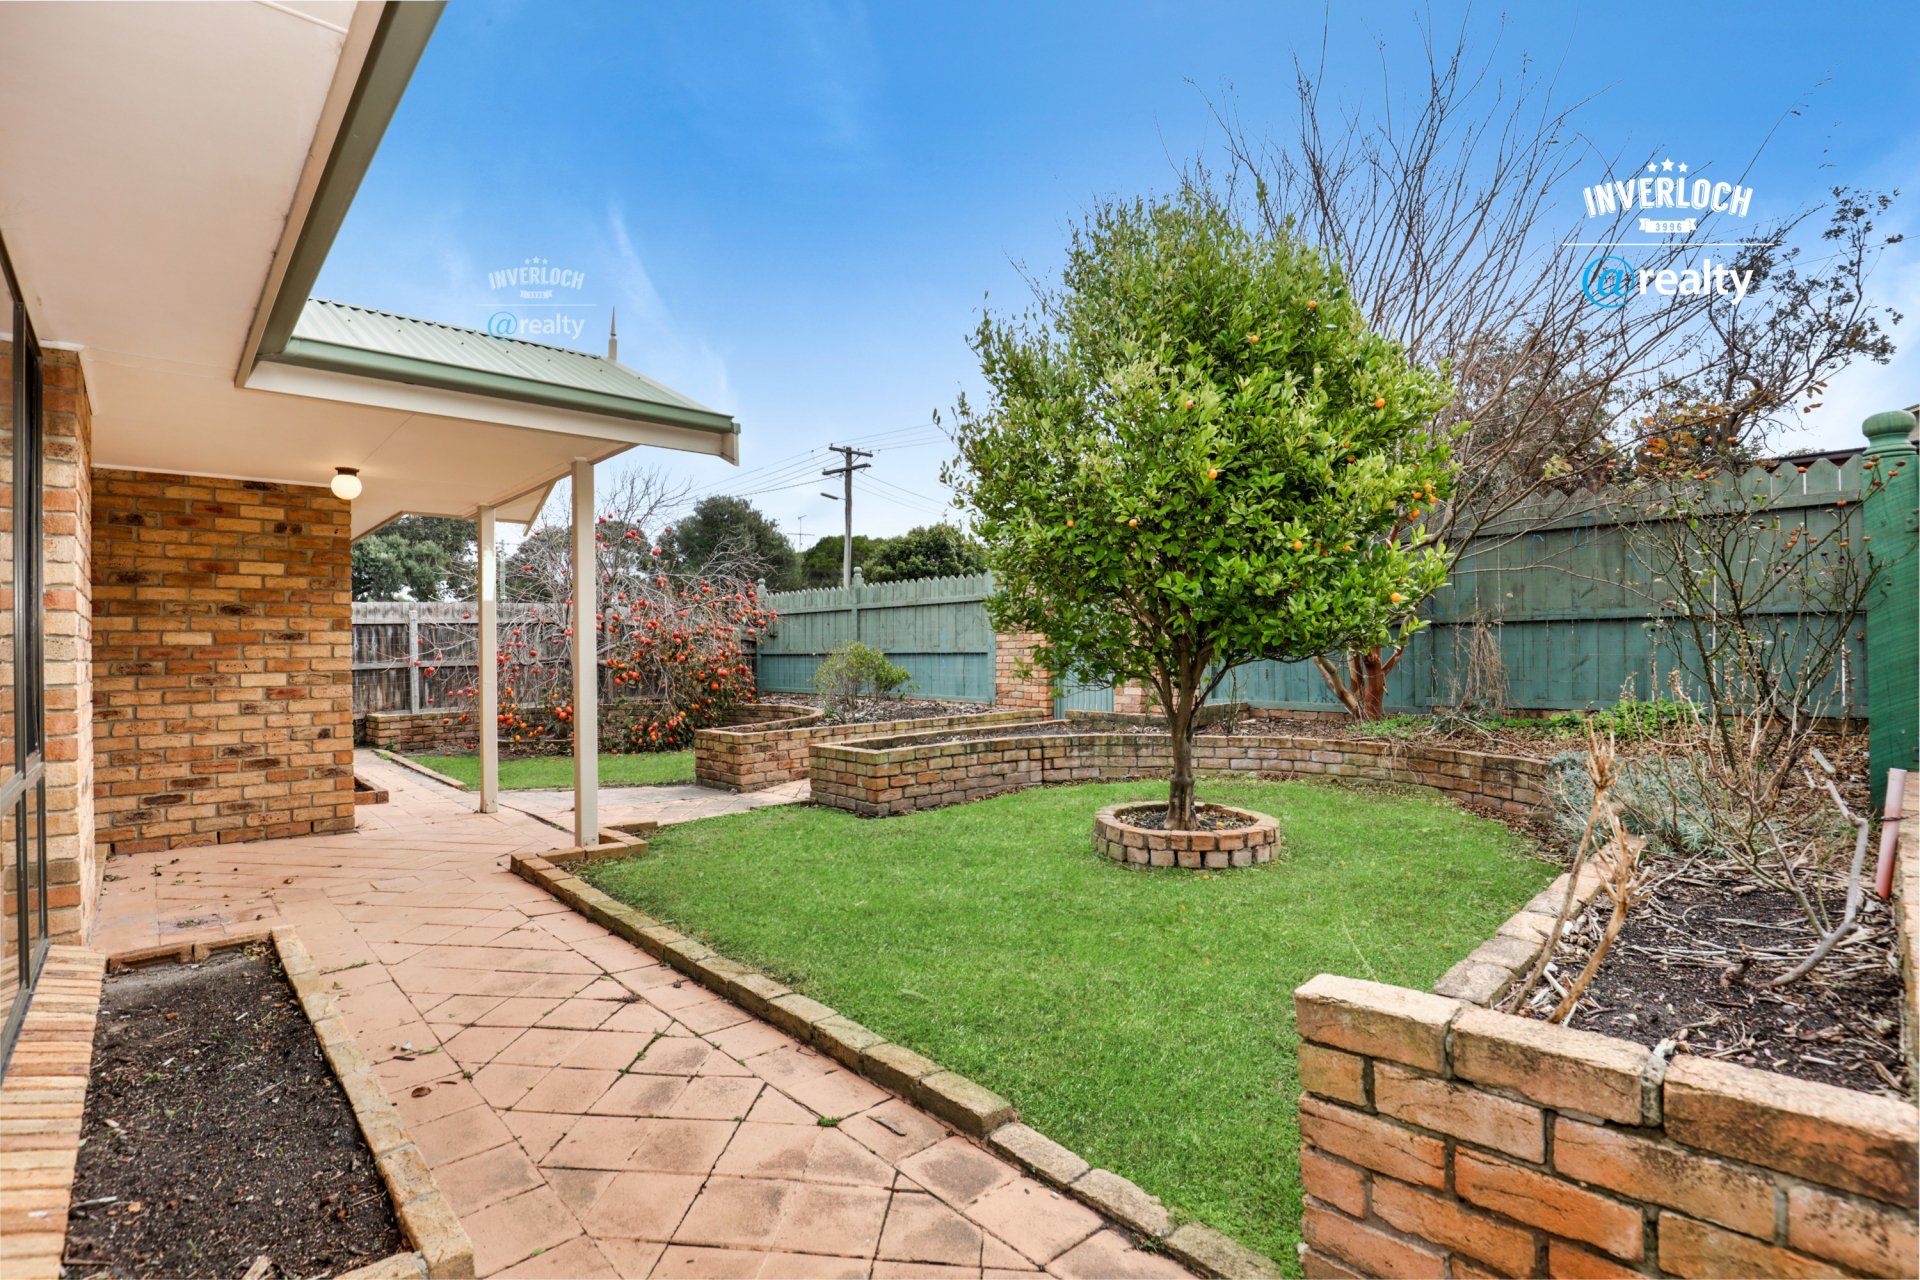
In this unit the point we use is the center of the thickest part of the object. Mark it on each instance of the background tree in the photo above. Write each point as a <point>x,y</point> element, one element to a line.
<point>733,530</point>
<point>1195,453</point>
<point>1443,206</point>
<point>415,558</point>
<point>820,563</point>
<point>930,551</point>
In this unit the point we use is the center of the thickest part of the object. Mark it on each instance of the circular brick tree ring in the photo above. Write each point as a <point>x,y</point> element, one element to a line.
<point>1257,840</point>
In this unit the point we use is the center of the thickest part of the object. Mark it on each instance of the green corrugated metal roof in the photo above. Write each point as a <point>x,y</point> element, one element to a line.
<point>380,344</point>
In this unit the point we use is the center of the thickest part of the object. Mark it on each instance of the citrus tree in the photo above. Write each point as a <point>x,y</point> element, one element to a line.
<point>1193,453</point>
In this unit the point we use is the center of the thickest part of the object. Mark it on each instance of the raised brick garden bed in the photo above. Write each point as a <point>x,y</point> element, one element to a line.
<point>1441,1137</point>
<point>902,773</point>
<point>452,731</point>
<point>751,757</point>
<point>1139,846</point>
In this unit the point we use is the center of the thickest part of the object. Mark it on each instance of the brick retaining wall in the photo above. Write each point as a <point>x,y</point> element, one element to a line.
<point>455,731</point>
<point>877,776</point>
<point>1437,1133</point>
<point>1441,1138</point>
<point>755,757</point>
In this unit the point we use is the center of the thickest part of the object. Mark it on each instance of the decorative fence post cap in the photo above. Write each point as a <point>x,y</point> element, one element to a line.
<point>859,577</point>
<point>1896,423</point>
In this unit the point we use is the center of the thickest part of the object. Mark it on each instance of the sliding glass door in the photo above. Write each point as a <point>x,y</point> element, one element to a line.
<point>23,788</point>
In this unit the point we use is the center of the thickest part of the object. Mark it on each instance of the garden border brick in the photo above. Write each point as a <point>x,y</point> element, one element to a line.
<point>883,773</point>
<point>441,1248</point>
<point>967,1106</point>
<point>1633,1160</point>
<point>43,1101</point>
<point>1138,847</point>
<point>752,757</point>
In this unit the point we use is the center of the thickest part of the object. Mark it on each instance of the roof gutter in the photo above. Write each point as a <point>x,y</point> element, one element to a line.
<point>393,50</point>
<point>307,353</point>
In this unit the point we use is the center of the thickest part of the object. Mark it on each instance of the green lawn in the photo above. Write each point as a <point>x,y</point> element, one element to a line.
<point>648,769</point>
<point>1143,1019</point>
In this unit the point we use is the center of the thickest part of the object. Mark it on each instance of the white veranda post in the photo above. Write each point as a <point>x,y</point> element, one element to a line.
<point>586,662</point>
<point>489,661</point>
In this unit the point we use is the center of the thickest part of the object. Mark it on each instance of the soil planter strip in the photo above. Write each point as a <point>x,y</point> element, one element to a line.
<point>216,1132</point>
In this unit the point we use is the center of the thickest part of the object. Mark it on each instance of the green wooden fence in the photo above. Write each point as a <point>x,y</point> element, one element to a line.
<point>1556,581</point>
<point>936,628</point>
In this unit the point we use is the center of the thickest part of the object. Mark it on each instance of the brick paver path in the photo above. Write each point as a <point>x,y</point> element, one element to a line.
<point>586,1110</point>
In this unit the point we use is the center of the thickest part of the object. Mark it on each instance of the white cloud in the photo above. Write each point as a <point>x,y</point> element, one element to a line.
<point>651,340</point>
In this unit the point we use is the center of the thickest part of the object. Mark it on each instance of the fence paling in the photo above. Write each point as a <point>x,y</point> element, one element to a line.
<point>1556,577</point>
<point>935,628</point>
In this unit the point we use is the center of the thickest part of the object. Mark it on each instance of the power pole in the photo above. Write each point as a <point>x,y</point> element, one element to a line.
<point>845,471</point>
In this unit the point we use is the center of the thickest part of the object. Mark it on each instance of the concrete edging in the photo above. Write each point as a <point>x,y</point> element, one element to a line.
<point>441,1247</point>
<point>969,1107</point>
<point>408,762</point>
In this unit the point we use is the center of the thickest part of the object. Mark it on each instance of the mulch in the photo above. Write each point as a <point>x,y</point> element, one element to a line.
<point>215,1133</point>
<point>1206,817</point>
<point>869,710</point>
<point>1691,963</point>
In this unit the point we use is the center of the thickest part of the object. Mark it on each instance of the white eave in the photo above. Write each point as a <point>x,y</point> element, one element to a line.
<point>168,174</point>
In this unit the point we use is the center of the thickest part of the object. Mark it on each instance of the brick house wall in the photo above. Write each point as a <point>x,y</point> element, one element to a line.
<point>73,870</point>
<point>73,874</point>
<point>223,694</point>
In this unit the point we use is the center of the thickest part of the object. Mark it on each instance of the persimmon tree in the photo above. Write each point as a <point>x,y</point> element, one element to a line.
<point>1193,453</point>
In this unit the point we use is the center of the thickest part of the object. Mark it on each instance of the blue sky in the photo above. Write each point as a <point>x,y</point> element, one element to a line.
<point>799,208</point>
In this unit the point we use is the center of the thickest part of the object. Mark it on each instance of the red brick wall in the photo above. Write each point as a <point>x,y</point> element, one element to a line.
<point>73,871</point>
<point>223,695</point>
<point>1019,683</point>
<point>1441,1138</point>
<point>749,758</point>
<point>73,875</point>
<point>882,776</point>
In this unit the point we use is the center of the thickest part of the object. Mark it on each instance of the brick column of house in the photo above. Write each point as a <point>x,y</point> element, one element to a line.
<point>73,872</point>
<point>1019,682</point>
<point>223,643</point>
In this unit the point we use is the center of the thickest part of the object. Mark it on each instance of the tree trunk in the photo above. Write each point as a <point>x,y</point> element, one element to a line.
<point>1180,791</point>
<point>1362,687</point>
<point>1370,684</point>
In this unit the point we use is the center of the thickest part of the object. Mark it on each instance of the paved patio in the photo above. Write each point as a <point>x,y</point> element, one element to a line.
<point>586,1110</point>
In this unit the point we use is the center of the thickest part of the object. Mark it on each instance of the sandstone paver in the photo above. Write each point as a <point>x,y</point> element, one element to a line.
<point>587,1110</point>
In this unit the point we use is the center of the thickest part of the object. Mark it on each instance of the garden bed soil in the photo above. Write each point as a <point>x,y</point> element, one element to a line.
<point>870,710</point>
<point>1206,817</point>
<point>215,1133</point>
<point>1690,963</point>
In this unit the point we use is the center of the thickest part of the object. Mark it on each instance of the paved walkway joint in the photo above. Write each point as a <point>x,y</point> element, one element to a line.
<point>587,1110</point>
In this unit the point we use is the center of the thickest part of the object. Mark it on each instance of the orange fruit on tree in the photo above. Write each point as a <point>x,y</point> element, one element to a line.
<point>1379,404</point>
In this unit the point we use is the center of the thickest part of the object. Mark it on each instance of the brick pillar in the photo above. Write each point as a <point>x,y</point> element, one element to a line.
<point>73,871</point>
<point>1131,699</point>
<point>1889,518</point>
<point>1019,682</point>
